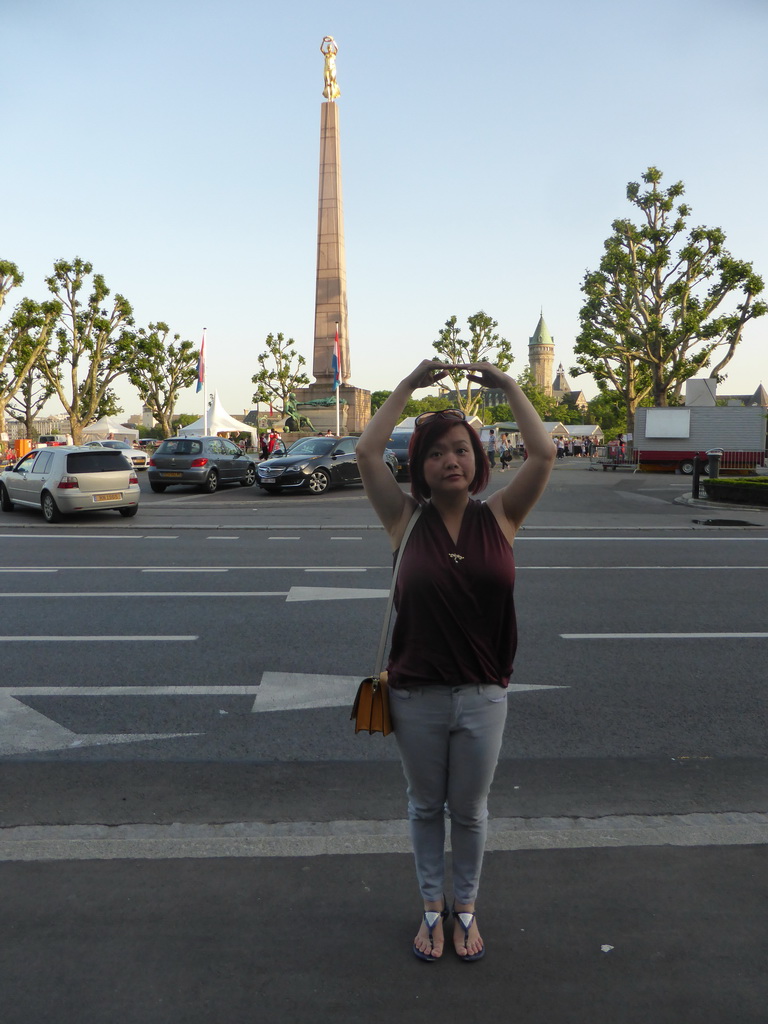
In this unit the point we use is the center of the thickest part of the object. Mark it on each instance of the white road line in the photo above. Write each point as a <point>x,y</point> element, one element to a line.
<point>222,538</point>
<point>285,538</point>
<point>383,567</point>
<point>150,593</point>
<point>706,538</point>
<point>70,536</point>
<point>336,568</point>
<point>231,568</point>
<point>185,570</point>
<point>88,639</point>
<point>663,636</point>
<point>130,691</point>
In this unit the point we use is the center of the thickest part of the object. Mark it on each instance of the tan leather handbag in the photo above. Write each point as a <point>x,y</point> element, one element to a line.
<point>370,712</point>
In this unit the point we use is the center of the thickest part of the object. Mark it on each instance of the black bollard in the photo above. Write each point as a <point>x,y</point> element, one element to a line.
<point>696,475</point>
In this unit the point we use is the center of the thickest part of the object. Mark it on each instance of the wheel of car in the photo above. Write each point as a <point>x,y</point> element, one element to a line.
<point>157,488</point>
<point>318,481</point>
<point>250,477</point>
<point>51,512</point>
<point>5,502</point>
<point>686,467</point>
<point>211,484</point>
<point>130,512</point>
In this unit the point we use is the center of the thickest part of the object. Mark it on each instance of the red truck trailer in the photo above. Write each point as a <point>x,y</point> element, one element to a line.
<point>671,438</point>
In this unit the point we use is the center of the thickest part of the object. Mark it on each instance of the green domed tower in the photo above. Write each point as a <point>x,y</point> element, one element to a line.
<point>541,356</point>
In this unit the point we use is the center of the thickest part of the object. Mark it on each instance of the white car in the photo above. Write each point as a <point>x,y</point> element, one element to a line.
<point>71,479</point>
<point>136,455</point>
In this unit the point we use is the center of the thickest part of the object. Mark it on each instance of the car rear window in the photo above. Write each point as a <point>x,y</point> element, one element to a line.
<point>183,446</point>
<point>101,460</point>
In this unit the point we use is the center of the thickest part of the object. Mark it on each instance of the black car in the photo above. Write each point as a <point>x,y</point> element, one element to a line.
<point>314,464</point>
<point>205,461</point>
<point>398,443</point>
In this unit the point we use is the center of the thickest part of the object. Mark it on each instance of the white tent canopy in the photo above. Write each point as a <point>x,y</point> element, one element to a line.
<point>106,427</point>
<point>219,422</point>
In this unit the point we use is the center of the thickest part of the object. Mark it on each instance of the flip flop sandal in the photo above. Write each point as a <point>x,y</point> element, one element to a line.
<point>431,917</point>
<point>465,920</point>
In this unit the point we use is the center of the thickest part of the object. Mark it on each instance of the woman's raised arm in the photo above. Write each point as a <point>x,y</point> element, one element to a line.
<point>391,505</point>
<point>512,504</point>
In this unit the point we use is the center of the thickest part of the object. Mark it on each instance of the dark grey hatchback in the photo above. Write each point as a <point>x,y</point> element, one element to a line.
<point>207,462</point>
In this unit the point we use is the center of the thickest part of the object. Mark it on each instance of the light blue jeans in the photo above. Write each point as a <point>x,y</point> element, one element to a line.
<point>449,739</point>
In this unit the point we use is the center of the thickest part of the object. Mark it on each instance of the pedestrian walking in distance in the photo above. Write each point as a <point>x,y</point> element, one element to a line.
<point>455,634</point>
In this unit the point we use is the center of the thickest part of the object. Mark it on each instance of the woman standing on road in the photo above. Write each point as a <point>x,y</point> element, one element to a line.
<point>455,635</point>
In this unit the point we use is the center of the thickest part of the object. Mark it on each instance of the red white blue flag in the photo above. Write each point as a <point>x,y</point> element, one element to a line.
<point>201,366</point>
<point>336,361</point>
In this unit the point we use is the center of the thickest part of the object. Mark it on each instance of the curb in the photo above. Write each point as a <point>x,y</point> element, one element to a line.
<point>684,499</point>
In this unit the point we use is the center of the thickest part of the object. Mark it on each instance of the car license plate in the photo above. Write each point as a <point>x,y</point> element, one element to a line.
<point>170,474</point>
<point>107,497</point>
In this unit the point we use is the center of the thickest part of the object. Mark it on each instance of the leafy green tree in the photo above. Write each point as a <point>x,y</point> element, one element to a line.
<point>429,403</point>
<point>483,344</point>
<point>280,371</point>
<point>160,369</point>
<point>666,302</point>
<point>23,338</point>
<point>567,412</point>
<point>109,405</point>
<point>543,403</point>
<point>608,410</point>
<point>183,420</point>
<point>10,277</point>
<point>378,398</point>
<point>94,343</point>
<point>32,395</point>
<point>500,414</point>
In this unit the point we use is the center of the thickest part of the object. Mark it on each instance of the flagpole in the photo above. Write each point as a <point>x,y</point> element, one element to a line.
<point>205,388</point>
<point>338,384</point>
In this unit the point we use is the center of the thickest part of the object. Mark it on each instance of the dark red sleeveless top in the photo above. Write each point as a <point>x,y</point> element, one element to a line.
<point>455,603</point>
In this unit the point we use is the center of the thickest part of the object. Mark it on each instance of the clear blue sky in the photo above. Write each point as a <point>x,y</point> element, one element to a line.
<point>486,148</point>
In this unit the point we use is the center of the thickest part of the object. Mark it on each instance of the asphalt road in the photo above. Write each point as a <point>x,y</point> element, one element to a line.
<point>190,829</point>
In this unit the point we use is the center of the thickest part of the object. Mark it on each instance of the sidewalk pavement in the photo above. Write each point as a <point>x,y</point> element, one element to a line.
<point>628,936</point>
<point>581,928</point>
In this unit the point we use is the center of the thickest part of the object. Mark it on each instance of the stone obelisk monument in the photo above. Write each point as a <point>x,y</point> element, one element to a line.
<point>331,279</point>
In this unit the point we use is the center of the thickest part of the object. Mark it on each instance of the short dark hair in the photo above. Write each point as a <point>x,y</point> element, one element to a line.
<point>424,437</point>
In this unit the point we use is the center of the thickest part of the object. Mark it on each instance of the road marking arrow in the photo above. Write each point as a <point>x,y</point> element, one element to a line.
<point>23,730</point>
<point>332,594</point>
<point>298,691</point>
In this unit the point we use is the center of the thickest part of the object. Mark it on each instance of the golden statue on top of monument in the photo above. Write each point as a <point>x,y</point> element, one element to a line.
<point>329,49</point>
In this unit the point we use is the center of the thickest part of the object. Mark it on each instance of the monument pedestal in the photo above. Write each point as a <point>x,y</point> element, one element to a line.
<point>353,417</point>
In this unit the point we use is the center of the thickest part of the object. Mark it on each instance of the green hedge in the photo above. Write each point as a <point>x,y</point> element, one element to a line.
<point>738,491</point>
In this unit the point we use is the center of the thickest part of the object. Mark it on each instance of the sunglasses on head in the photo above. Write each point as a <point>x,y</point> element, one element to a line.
<point>447,414</point>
